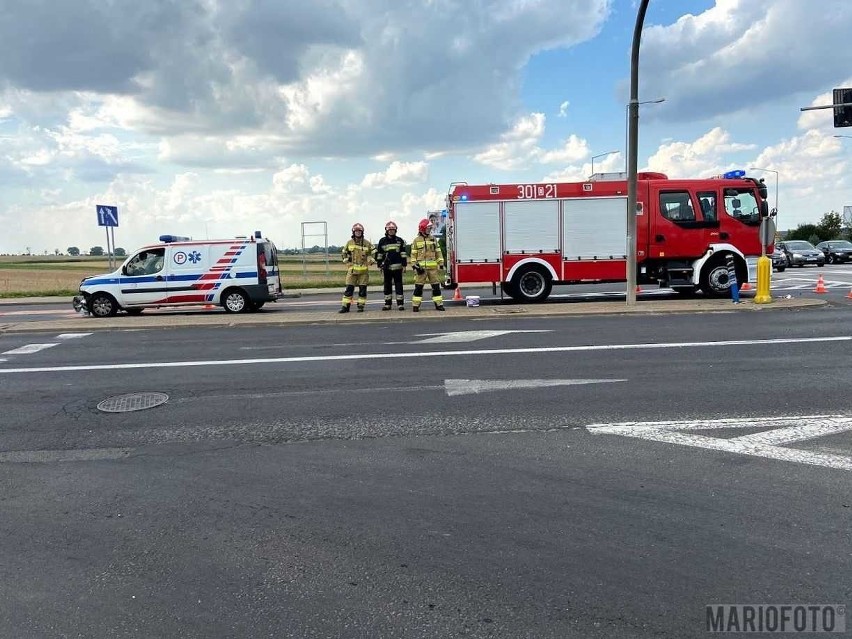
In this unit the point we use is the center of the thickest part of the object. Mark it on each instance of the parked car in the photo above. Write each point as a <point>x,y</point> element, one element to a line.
<point>779,259</point>
<point>799,253</point>
<point>836,251</point>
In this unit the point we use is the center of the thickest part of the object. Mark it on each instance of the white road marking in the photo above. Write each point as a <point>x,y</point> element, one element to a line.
<point>72,335</point>
<point>465,336</point>
<point>42,312</point>
<point>785,430</point>
<point>43,456</point>
<point>454,387</point>
<point>28,349</point>
<point>421,354</point>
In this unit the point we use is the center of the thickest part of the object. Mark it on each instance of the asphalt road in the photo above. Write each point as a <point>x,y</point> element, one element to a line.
<point>796,283</point>
<point>377,480</point>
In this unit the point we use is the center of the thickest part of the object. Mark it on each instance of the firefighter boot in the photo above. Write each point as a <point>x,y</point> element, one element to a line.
<point>344,309</point>
<point>440,307</point>
<point>360,308</point>
<point>387,305</point>
<point>415,309</point>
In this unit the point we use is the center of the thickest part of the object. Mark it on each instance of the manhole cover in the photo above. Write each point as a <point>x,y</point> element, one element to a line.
<point>132,401</point>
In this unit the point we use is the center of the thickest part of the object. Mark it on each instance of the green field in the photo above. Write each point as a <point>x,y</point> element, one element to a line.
<point>36,276</point>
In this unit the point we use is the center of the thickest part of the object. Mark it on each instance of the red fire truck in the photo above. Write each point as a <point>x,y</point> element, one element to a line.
<point>529,237</point>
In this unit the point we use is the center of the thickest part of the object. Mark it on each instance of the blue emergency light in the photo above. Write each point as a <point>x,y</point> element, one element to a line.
<point>258,234</point>
<point>732,175</point>
<point>167,239</point>
<point>464,197</point>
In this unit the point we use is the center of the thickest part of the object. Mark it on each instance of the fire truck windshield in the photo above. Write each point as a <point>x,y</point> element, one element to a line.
<point>742,205</point>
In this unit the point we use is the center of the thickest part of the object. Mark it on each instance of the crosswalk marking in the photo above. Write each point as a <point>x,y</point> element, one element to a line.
<point>28,349</point>
<point>72,335</point>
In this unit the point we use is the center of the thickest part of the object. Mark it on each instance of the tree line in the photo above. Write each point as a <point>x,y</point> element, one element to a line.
<point>830,227</point>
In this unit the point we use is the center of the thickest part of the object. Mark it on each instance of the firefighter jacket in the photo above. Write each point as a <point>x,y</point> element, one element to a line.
<point>426,252</point>
<point>390,253</point>
<point>357,253</point>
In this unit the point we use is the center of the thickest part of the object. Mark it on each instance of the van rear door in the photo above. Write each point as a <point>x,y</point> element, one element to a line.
<point>268,272</point>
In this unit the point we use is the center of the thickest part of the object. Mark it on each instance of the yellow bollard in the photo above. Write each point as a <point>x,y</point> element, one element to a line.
<point>764,279</point>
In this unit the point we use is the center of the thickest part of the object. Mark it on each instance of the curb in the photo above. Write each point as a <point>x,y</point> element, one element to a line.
<point>459,311</point>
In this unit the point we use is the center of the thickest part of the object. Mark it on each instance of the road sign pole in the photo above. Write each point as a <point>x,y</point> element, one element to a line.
<point>112,253</point>
<point>106,230</point>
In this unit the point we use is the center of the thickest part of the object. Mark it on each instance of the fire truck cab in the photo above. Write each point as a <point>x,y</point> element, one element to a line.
<point>529,237</point>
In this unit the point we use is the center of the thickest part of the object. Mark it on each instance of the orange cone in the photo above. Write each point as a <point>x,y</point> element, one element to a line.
<point>638,289</point>
<point>457,296</point>
<point>746,287</point>
<point>820,287</point>
<point>850,294</point>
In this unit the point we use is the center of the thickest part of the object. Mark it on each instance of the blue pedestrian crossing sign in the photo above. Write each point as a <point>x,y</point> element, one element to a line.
<point>107,215</point>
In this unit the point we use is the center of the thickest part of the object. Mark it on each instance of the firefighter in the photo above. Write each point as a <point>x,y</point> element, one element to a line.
<point>392,259</point>
<point>358,254</point>
<point>426,259</point>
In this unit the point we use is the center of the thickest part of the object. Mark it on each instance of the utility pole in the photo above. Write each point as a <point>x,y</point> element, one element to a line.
<point>632,154</point>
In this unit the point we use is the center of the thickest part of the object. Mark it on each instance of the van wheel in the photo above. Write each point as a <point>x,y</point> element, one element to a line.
<point>532,284</point>
<point>103,305</point>
<point>235,301</point>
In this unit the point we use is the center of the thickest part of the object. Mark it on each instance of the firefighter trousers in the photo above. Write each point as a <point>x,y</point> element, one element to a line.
<point>393,283</point>
<point>352,280</point>
<point>428,275</point>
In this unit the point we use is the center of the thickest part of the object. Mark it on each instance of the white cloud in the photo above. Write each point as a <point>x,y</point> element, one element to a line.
<point>695,159</point>
<point>397,173</point>
<point>742,53</point>
<point>519,148</point>
<point>563,109</point>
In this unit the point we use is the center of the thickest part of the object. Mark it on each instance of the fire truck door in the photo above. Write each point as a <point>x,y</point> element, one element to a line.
<point>682,223</point>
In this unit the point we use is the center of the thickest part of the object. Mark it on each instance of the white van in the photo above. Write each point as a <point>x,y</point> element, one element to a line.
<point>240,274</point>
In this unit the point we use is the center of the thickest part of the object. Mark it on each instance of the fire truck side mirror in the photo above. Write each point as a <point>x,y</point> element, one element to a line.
<point>764,209</point>
<point>773,212</point>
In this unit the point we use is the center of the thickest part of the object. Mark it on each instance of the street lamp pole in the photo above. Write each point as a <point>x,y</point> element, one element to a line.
<point>632,153</point>
<point>600,155</point>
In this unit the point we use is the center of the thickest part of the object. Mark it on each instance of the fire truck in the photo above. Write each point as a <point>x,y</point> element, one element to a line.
<point>529,237</point>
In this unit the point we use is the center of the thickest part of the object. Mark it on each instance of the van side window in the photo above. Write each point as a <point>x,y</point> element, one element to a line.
<point>677,206</point>
<point>707,199</point>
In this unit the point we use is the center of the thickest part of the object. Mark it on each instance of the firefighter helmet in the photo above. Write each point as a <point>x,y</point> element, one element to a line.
<point>357,227</point>
<point>390,226</point>
<point>424,225</point>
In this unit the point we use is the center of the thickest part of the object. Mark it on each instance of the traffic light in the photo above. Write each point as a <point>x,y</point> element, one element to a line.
<point>842,114</point>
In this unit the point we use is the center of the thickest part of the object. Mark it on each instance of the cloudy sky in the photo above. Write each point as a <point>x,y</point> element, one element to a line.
<point>213,118</point>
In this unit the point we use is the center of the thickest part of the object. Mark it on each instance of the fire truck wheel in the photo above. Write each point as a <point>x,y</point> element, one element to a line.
<point>234,300</point>
<point>103,305</point>
<point>714,276</point>
<point>509,290</point>
<point>532,284</point>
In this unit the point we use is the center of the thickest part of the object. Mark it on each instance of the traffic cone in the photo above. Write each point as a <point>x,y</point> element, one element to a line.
<point>820,287</point>
<point>638,289</point>
<point>850,294</point>
<point>745,287</point>
<point>457,296</point>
